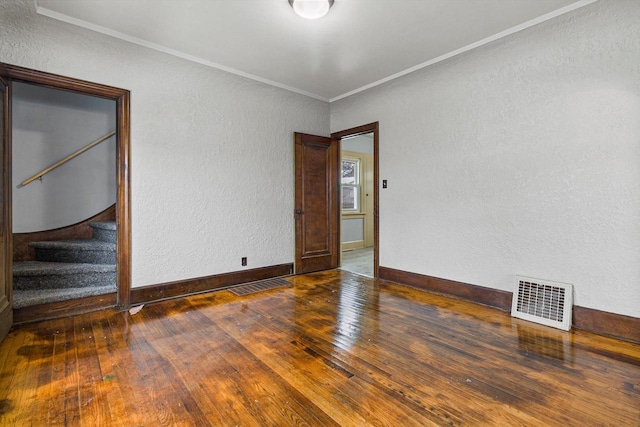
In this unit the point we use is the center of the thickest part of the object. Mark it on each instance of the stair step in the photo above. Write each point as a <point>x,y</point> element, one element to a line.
<point>105,231</point>
<point>34,275</point>
<point>90,251</point>
<point>31,297</point>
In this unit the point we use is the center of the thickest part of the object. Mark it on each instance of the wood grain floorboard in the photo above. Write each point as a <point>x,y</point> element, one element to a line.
<point>334,349</point>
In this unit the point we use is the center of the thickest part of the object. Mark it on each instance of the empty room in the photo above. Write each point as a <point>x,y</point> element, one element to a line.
<point>320,212</point>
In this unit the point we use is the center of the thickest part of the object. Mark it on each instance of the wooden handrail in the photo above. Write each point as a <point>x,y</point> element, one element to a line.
<point>66,159</point>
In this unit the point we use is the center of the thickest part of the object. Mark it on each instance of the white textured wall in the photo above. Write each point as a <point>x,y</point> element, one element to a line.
<point>211,155</point>
<point>520,157</point>
<point>48,125</point>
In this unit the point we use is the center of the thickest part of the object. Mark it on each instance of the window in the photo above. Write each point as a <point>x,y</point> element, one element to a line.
<point>350,185</point>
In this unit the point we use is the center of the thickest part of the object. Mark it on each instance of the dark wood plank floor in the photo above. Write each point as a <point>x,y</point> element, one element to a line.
<point>334,349</point>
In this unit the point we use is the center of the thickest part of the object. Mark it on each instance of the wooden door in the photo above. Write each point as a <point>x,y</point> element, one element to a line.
<point>317,209</point>
<point>6,287</point>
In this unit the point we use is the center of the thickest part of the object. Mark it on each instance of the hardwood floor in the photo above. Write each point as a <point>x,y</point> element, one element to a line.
<point>333,349</point>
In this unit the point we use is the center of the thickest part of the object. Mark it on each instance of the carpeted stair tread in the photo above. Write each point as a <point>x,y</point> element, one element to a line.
<point>105,231</point>
<point>43,268</point>
<point>50,276</point>
<point>27,298</point>
<point>105,225</point>
<point>76,245</point>
<point>68,269</point>
<point>89,251</point>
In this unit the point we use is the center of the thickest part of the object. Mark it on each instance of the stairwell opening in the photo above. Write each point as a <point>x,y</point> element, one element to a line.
<point>64,223</point>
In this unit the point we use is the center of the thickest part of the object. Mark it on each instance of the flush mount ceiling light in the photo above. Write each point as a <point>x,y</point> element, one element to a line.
<point>311,9</point>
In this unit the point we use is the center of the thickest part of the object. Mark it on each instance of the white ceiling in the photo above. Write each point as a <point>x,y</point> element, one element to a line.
<point>360,43</point>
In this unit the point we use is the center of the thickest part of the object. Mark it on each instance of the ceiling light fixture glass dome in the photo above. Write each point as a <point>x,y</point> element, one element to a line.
<point>311,9</point>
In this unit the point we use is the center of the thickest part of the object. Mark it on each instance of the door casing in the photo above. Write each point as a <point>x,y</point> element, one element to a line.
<point>6,245</point>
<point>336,210</point>
<point>361,130</point>
<point>123,125</point>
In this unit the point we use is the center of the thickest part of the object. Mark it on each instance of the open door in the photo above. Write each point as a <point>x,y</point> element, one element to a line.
<point>6,286</point>
<point>317,203</point>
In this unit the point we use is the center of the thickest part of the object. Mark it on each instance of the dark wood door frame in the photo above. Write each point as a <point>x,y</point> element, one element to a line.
<point>123,143</point>
<point>6,286</point>
<point>361,130</point>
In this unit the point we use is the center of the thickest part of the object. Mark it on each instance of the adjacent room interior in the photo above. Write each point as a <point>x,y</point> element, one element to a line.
<point>356,203</point>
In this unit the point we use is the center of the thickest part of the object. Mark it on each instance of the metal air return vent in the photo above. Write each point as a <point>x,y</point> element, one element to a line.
<point>259,286</point>
<point>543,301</point>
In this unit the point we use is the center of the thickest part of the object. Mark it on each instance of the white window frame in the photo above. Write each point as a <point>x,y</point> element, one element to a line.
<point>356,187</point>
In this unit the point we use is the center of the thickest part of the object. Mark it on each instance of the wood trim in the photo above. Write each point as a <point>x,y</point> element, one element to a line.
<point>79,230</point>
<point>123,201</point>
<point>59,309</point>
<point>123,144</point>
<point>600,322</point>
<point>6,287</point>
<point>182,288</point>
<point>6,316</point>
<point>479,294</point>
<point>360,130</point>
<point>605,323</point>
<point>56,81</point>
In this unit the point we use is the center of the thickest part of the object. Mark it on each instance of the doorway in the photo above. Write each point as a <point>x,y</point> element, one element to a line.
<point>64,175</point>
<point>357,194</point>
<point>317,208</point>
<point>18,75</point>
<point>359,199</point>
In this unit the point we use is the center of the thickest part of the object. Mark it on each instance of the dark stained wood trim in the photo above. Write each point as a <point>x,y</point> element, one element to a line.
<point>588,319</point>
<point>358,130</point>
<point>605,323</point>
<point>206,284</point>
<point>6,236</point>
<point>79,230</point>
<point>123,144</point>
<point>361,130</point>
<point>56,81</point>
<point>60,309</point>
<point>6,316</point>
<point>123,201</point>
<point>479,294</point>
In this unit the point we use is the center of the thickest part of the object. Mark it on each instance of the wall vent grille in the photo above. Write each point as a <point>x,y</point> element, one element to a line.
<point>543,301</point>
